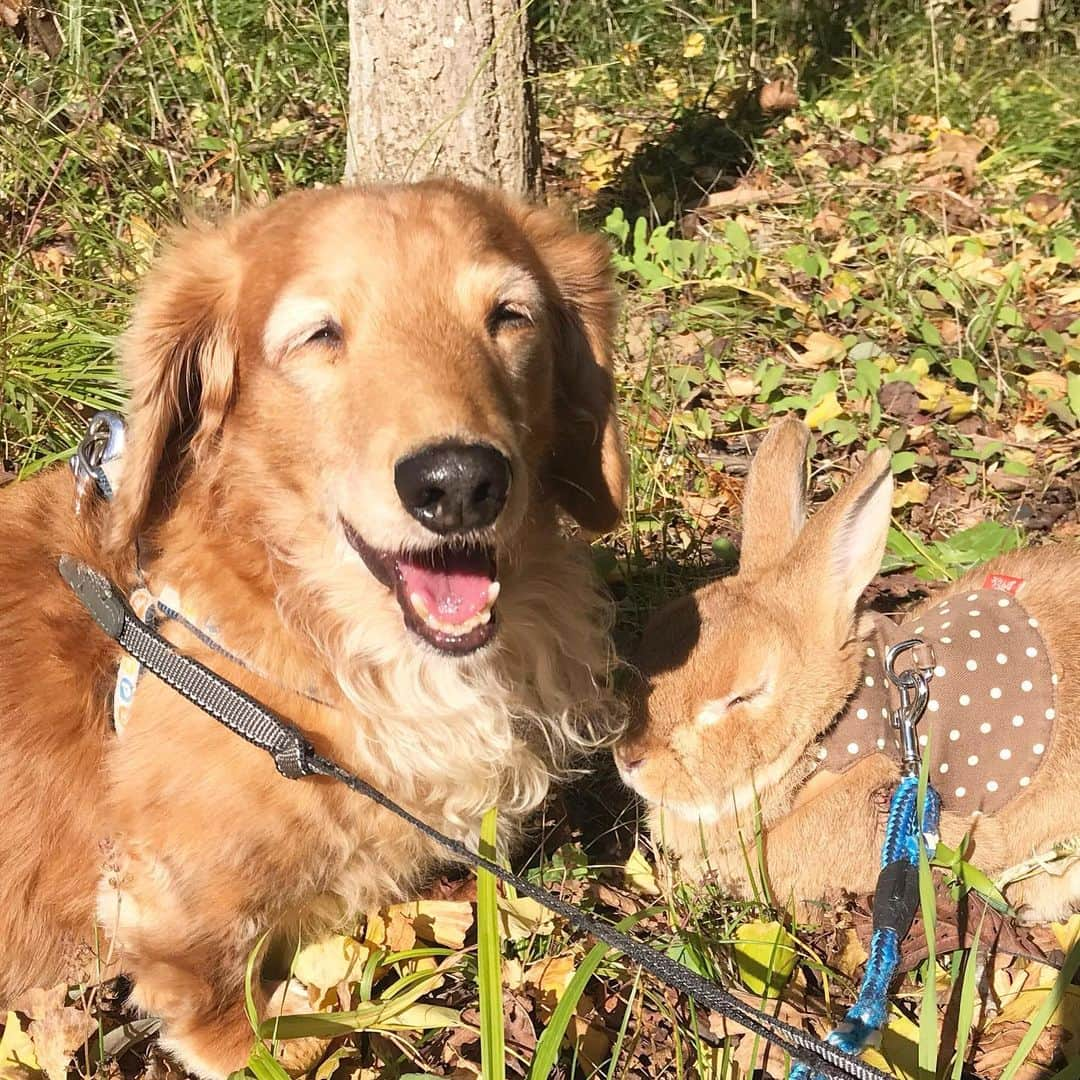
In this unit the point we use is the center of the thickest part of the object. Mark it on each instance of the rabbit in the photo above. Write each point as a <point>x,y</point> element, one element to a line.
<point>760,707</point>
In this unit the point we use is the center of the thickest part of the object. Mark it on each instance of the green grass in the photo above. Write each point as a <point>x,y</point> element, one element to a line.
<point>854,294</point>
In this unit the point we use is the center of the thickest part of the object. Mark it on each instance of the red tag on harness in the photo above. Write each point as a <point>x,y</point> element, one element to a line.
<point>1003,583</point>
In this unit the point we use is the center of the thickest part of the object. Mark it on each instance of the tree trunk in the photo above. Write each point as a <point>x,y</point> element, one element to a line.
<point>442,87</point>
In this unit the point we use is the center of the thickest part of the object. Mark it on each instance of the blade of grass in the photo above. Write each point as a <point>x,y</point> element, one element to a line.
<point>489,960</point>
<point>262,1061</point>
<point>928,1027</point>
<point>966,1010</point>
<point>547,1047</point>
<point>1045,1011</point>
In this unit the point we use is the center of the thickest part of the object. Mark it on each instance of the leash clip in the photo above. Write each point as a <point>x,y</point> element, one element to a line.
<point>102,444</point>
<point>913,684</point>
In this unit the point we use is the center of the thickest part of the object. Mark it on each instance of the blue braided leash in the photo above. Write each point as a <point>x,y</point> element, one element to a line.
<point>896,900</point>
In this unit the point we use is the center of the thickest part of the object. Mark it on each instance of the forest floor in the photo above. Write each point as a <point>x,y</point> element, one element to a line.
<point>867,219</point>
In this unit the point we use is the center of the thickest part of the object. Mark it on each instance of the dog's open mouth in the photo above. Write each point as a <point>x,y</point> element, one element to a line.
<point>447,596</point>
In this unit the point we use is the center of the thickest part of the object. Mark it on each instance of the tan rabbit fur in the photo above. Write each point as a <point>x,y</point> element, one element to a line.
<point>738,682</point>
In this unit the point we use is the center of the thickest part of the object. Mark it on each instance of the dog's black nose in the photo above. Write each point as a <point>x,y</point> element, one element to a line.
<point>453,487</point>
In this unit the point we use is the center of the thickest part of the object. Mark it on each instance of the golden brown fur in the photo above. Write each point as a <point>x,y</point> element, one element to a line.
<point>246,448</point>
<point>784,635</point>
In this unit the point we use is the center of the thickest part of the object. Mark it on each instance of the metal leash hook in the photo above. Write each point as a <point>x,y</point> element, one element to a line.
<point>102,445</point>
<point>913,683</point>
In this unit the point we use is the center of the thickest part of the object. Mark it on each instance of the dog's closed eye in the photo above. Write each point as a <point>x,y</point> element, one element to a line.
<point>509,315</point>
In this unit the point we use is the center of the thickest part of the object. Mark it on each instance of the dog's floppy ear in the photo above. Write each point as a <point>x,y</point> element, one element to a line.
<point>587,469</point>
<point>179,358</point>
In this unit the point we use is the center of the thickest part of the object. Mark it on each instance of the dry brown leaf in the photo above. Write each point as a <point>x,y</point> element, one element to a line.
<point>778,96</point>
<point>827,224</point>
<point>57,1035</point>
<point>959,151</point>
<point>748,195</point>
<point>819,349</point>
<point>703,507</point>
<point>1052,382</point>
<point>1046,208</point>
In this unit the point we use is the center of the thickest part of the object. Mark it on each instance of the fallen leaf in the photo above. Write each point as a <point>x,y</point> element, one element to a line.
<point>1052,382</point>
<point>778,96</point>
<point>694,45</point>
<point>740,386</point>
<point>523,917</point>
<point>827,223</point>
<point>639,874</point>
<point>56,1036</point>
<point>913,492</point>
<point>850,954</point>
<point>819,348</point>
<point>828,408</point>
<point>749,195</point>
<point>549,979</point>
<point>17,1058</point>
<point>444,922</point>
<point>669,87</point>
<point>1068,933</point>
<point>765,956</point>
<point>336,959</point>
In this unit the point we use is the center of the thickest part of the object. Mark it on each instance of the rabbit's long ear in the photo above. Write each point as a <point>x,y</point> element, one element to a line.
<point>774,506</point>
<point>841,547</point>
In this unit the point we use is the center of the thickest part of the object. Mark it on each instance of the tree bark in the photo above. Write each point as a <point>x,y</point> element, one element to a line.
<point>442,87</point>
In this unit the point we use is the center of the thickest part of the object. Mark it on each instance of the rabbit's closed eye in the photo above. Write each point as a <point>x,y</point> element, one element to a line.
<point>713,711</point>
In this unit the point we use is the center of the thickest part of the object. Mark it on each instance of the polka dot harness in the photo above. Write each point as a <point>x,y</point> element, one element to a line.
<point>991,712</point>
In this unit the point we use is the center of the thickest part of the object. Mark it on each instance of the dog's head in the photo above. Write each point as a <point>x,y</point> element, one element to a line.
<point>387,387</point>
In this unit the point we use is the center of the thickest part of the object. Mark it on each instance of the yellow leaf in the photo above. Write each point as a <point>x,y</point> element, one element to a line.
<point>765,955</point>
<point>445,922</point>
<point>1030,998</point>
<point>819,349</point>
<point>843,251</point>
<point>324,964</point>
<point>1068,933</point>
<point>17,1058</point>
<point>550,978</point>
<point>914,491</point>
<point>960,404</point>
<point>931,391</point>
<point>898,1054</point>
<point>639,874</point>
<point>828,408</point>
<point>524,918</point>
<point>390,929</point>
<point>629,53</point>
<point>669,87</point>
<point>1070,296</point>
<point>695,45</point>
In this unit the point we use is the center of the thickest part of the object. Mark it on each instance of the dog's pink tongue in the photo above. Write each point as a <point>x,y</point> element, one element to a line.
<point>453,590</point>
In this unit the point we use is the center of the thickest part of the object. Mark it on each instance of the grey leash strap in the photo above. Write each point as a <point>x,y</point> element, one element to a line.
<point>217,697</point>
<point>294,757</point>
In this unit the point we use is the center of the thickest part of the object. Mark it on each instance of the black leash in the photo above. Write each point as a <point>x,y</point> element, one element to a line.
<point>295,758</point>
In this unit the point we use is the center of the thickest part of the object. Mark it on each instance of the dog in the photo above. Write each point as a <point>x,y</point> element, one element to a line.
<point>356,416</point>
